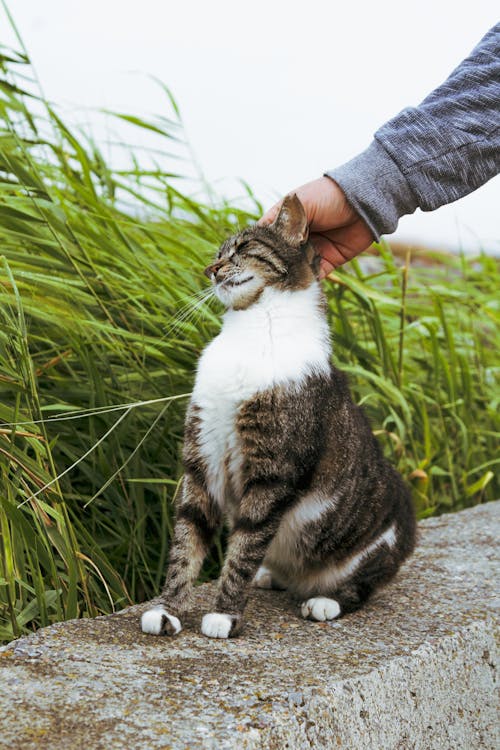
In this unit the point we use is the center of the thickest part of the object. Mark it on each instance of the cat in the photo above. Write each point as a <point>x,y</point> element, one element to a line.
<point>276,446</point>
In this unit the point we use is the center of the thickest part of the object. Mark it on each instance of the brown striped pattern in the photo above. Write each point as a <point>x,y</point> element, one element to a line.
<point>314,493</point>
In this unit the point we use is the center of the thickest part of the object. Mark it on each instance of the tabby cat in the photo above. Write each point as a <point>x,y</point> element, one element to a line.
<point>275,446</point>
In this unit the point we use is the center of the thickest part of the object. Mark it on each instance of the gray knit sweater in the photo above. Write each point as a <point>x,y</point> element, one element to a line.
<point>435,153</point>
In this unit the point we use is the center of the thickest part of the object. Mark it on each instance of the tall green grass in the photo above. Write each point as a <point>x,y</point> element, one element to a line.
<point>100,269</point>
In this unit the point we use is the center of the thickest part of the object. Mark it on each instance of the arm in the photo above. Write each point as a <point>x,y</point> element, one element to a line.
<point>424,157</point>
<point>435,153</point>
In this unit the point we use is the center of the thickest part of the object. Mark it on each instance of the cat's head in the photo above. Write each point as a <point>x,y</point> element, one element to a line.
<point>278,255</point>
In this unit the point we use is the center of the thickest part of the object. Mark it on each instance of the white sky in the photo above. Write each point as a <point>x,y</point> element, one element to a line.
<point>272,92</point>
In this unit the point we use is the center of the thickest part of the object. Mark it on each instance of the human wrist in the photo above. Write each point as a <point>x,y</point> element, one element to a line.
<point>376,189</point>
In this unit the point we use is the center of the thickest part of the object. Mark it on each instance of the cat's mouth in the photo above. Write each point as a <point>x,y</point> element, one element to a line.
<point>236,282</point>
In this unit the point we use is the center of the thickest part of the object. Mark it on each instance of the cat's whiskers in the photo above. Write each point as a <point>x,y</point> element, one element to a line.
<point>187,312</point>
<point>196,312</point>
<point>192,299</point>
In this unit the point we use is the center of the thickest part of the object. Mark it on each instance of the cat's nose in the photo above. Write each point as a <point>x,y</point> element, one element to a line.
<point>209,270</point>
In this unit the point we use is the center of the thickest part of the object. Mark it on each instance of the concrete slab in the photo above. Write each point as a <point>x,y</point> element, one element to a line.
<point>414,669</point>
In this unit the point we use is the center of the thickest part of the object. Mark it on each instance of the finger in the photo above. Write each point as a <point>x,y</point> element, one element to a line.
<point>324,269</point>
<point>324,203</point>
<point>270,215</point>
<point>315,197</point>
<point>331,252</point>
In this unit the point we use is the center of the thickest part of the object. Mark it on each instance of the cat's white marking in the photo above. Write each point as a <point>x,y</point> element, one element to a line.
<point>282,338</point>
<point>231,290</point>
<point>320,608</point>
<point>263,579</point>
<point>283,548</point>
<point>216,625</point>
<point>152,621</point>
<point>332,576</point>
<point>311,508</point>
<point>389,536</point>
<point>345,568</point>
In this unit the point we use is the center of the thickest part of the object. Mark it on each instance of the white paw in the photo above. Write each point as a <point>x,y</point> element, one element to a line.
<point>263,578</point>
<point>216,625</point>
<point>320,608</point>
<point>157,621</point>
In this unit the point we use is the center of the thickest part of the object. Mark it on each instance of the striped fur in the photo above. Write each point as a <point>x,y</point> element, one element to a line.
<point>275,445</point>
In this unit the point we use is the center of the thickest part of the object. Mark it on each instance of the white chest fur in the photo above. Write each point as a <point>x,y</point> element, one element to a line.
<point>281,339</point>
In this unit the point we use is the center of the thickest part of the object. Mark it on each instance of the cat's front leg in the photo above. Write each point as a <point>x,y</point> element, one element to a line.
<point>157,621</point>
<point>261,509</point>
<point>197,520</point>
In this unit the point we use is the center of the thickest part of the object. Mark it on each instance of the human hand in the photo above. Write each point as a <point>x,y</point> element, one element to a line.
<point>337,232</point>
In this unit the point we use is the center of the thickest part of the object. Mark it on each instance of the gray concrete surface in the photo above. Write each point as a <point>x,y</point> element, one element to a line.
<point>414,669</point>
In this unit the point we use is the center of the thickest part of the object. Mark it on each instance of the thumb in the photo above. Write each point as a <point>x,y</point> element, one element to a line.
<point>270,215</point>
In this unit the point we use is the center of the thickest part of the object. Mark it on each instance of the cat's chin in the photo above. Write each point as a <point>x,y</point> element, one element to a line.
<point>236,282</point>
<point>239,293</point>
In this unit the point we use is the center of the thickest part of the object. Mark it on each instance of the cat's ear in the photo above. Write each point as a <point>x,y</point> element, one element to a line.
<point>291,221</point>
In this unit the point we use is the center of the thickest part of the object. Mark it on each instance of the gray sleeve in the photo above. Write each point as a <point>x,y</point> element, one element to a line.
<point>435,153</point>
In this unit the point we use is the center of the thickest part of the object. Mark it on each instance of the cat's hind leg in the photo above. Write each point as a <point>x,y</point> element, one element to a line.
<point>320,608</point>
<point>344,586</point>
<point>265,578</point>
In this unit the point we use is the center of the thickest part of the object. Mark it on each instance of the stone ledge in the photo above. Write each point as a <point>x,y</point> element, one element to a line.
<point>414,669</point>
